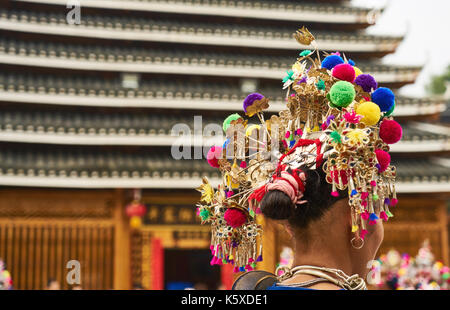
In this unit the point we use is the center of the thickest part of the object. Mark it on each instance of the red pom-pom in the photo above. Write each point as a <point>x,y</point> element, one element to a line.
<point>384,159</point>
<point>235,218</point>
<point>344,72</point>
<point>213,156</point>
<point>390,131</point>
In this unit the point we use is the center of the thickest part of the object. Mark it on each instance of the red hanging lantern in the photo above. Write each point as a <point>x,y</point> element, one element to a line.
<point>135,211</point>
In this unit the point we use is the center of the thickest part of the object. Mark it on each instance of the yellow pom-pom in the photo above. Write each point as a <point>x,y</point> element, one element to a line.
<point>357,71</point>
<point>250,129</point>
<point>370,112</point>
<point>354,228</point>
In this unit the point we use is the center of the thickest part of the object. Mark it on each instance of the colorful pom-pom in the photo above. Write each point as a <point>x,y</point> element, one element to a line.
<point>235,218</point>
<point>342,93</point>
<point>344,72</point>
<point>320,85</point>
<point>354,192</point>
<point>383,216</point>
<point>394,201</point>
<point>390,131</point>
<point>259,258</point>
<point>243,165</point>
<point>204,214</point>
<point>384,98</point>
<point>213,156</point>
<point>388,113</point>
<point>250,99</point>
<point>331,61</point>
<point>335,194</point>
<point>305,53</point>
<point>242,269</point>
<point>251,128</point>
<point>367,82</point>
<point>370,112</point>
<point>384,159</point>
<point>363,233</point>
<point>364,195</point>
<point>229,119</point>
<point>358,71</point>
<point>236,269</point>
<point>351,62</point>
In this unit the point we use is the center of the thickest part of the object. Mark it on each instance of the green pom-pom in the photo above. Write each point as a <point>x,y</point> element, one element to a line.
<point>320,85</point>
<point>204,214</point>
<point>305,53</point>
<point>252,213</point>
<point>253,265</point>
<point>445,276</point>
<point>390,110</point>
<point>389,214</point>
<point>342,93</point>
<point>224,261</point>
<point>336,137</point>
<point>228,120</point>
<point>375,197</point>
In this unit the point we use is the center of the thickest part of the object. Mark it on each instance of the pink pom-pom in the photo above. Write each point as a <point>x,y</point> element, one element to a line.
<point>384,159</point>
<point>213,261</point>
<point>393,202</point>
<point>235,218</point>
<point>390,131</point>
<point>383,215</point>
<point>213,156</point>
<point>334,194</point>
<point>236,269</point>
<point>287,135</point>
<point>249,268</point>
<point>373,183</point>
<point>364,203</point>
<point>229,194</point>
<point>363,233</point>
<point>344,72</point>
<point>365,215</point>
<point>364,195</point>
<point>243,165</point>
<point>250,260</point>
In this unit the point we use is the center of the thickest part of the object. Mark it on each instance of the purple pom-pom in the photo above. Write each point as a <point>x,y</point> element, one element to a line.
<point>367,82</point>
<point>248,101</point>
<point>303,80</point>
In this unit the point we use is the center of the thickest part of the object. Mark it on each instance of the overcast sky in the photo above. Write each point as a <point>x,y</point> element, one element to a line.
<point>426,26</point>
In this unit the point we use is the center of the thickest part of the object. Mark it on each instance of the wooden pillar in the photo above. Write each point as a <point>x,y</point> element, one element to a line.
<point>122,263</point>
<point>444,232</point>
<point>269,241</point>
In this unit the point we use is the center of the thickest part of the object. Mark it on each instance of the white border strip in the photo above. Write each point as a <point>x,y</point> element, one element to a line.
<point>215,10</point>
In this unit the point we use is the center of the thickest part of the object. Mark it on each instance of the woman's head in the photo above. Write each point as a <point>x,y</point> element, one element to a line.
<point>322,221</point>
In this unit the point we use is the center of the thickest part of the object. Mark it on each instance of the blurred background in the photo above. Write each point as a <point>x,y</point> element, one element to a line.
<point>90,91</point>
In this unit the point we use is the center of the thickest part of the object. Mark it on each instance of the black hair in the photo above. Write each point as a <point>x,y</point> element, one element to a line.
<point>278,206</point>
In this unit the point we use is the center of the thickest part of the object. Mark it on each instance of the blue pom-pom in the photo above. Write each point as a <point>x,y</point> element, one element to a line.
<point>351,62</point>
<point>373,217</point>
<point>291,144</point>
<point>384,98</point>
<point>226,143</point>
<point>331,61</point>
<point>242,269</point>
<point>354,192</point>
